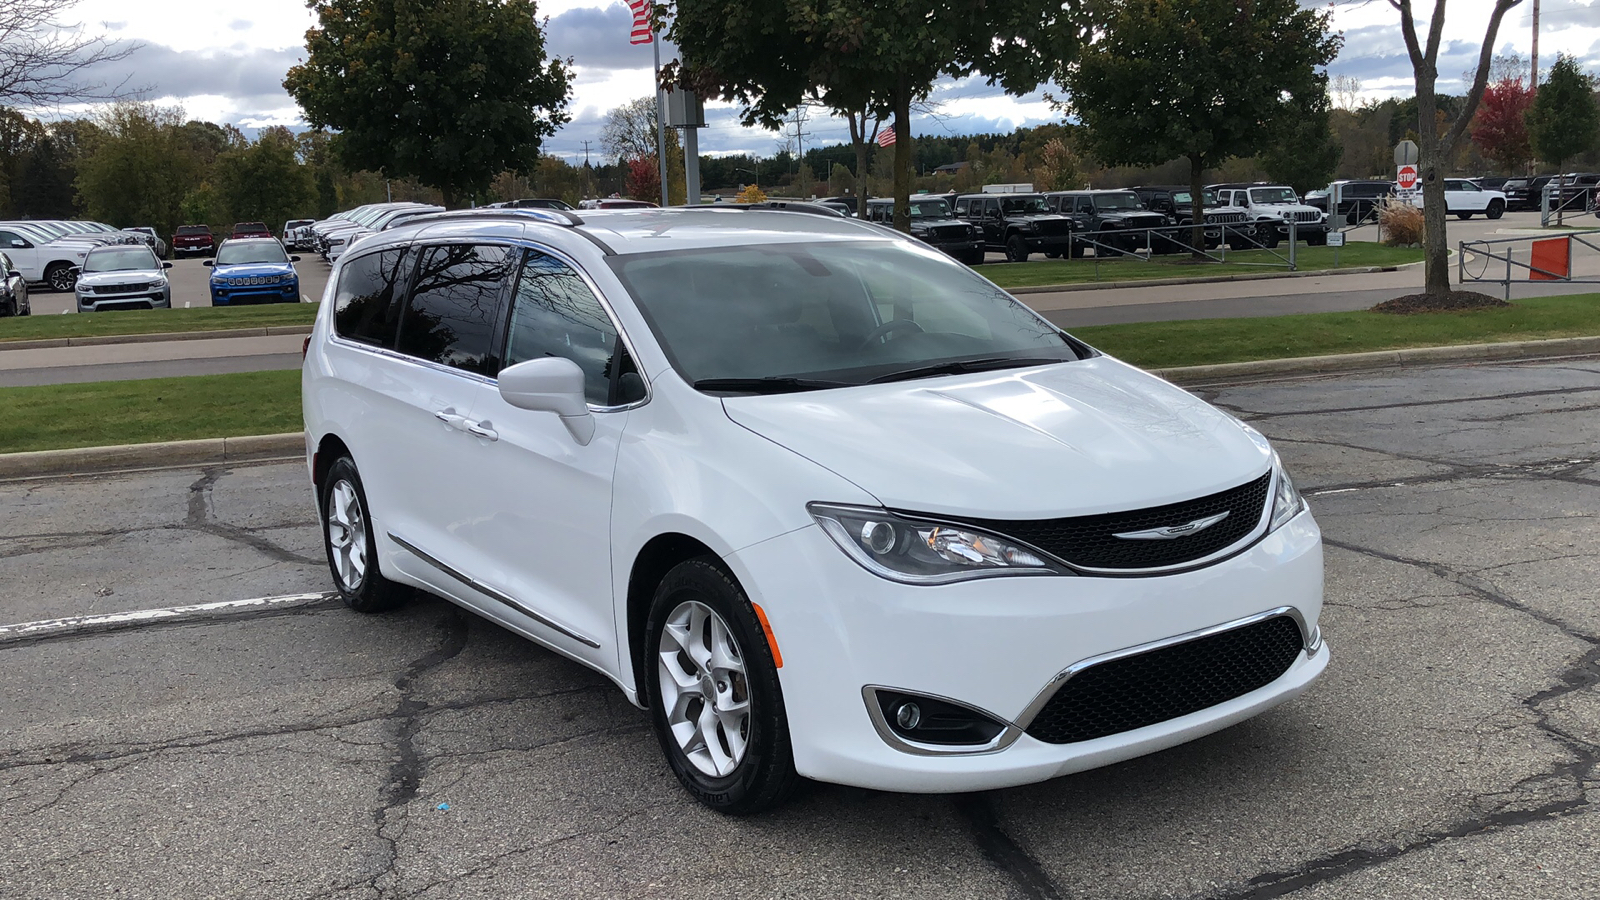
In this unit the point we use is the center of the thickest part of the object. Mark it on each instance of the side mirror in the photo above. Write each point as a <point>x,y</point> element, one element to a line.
<point>550,384</point>
<point>208,263</point>
<point>19,243</point>
<point>294,259</point>
<point>166,265</point>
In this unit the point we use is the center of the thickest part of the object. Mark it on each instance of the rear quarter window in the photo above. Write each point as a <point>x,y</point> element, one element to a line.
<point>367,300</point>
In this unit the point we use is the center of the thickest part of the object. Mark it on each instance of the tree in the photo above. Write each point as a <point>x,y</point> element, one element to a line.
<point>43,60</point>
<point>1302,151</point>
<point>1435,151</point>
<point>644,179</point>
<point>450,91</point>
<point>139,170</point>
<point>1563,120</point>
<point>630,132</point>
<point>873,58</point>
<point>1501,128</point>
<point>1197,79</point>
<point>265,181</point>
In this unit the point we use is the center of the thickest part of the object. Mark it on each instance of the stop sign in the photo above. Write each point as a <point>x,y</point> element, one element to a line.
<point>1406,178</point>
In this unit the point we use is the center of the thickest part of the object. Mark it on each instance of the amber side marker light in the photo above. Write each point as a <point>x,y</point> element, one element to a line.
<point>772,639</point>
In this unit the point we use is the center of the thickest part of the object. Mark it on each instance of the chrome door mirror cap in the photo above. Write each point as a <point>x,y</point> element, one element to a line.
<point>550,384</point>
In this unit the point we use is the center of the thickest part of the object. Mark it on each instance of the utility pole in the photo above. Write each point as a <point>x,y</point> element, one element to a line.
<point>586,153</point>
<point>800,133</point>
<point>1535,85</point>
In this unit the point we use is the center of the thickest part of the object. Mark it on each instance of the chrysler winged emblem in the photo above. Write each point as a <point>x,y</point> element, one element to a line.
<point>1173,531</point>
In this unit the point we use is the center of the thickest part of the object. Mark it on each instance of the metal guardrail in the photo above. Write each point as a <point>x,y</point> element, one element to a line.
<point>1175,239</point>
<point>1474,259</point>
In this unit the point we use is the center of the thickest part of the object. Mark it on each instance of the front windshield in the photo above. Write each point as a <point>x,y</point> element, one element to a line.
<point>839,312</point>
<point>1028,205</point>
<point>1273,195</point>
<point>233,254</point>
<point>930,209</point>
<point>1119,200</point>
<point>120,259</point>
<point>1186,198</point>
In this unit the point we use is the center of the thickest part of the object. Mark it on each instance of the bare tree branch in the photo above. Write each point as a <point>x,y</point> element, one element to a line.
<point>45,62</point>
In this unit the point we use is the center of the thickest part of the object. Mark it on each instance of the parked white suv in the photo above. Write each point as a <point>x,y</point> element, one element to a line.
<point>1464,199</point>
<point>822,499</point>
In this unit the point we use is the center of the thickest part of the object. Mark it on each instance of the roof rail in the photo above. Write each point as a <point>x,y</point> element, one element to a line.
<point>800,206</point>
<point>549,216</point>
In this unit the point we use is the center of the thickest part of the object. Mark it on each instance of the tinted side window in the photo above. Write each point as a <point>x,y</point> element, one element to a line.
<point>450,319</point>
<point>366,305</point>
<point>961,207</point>
<point>553,313</point>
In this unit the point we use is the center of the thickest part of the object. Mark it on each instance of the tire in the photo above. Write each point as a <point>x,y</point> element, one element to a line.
<point>1463,215</point>
<point>1317,240</point>
<point>975,258</point>
<point>1496,209</point>
<point>1052,254</point>
<point>60,278</point>
<point>1077,249</point>
<point>11,309</point>
<point>742,771</point>
<point>354,550</point>
<point>1268,237</point>
<point>1017,248</point>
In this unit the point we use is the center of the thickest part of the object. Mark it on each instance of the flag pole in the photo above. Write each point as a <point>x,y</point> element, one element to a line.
<point>661,120</point>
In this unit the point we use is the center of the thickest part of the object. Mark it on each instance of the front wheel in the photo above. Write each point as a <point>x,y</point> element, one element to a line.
<point>1496,210</point>
<point>1268,236</point>
<point>349,541</point>
<point>1463,215</point>
<point>714,695</point>
<point>1017,248</point>
<point>974,258</point>
<point>1317,240</point>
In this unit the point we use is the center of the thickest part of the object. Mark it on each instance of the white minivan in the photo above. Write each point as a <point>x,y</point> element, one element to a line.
<point>824,501</point>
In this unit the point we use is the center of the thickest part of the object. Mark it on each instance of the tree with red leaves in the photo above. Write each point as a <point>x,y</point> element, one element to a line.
<point>644,179</point>
<point>1501,129</point>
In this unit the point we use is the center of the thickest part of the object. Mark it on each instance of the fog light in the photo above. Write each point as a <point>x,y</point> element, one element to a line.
<point>908,716</point>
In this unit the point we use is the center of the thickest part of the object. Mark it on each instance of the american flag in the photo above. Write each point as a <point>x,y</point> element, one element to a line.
<point>641,22</point>
<point>886,137</point>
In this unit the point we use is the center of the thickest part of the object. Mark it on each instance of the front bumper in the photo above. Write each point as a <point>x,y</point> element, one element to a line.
<point>998,645</point>
<point>1049,242</point>
<point>152,299</point>
<point>228,295</point>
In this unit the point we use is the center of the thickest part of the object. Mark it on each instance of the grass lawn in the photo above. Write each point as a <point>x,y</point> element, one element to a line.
<point>1159,345</point>
<point>1358,255</point>
<point>156,321</point>
<point>167,409</point>
<point>158,409</point>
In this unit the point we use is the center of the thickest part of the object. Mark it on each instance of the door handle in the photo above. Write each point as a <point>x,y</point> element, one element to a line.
<point>451,418</point>
<point>482,429</point>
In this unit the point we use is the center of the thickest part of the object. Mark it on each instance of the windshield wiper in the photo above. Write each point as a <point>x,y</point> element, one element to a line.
<point>965,365</point>
<point>771,384</point>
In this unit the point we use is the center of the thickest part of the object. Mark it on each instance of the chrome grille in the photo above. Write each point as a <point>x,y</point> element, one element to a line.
<point>127,288</point>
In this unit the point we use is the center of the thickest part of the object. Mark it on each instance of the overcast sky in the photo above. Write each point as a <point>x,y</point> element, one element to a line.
<point>225,62</point>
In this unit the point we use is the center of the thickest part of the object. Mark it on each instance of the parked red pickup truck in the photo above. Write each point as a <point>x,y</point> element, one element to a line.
<point>251,230</point>
<point>193,239</point>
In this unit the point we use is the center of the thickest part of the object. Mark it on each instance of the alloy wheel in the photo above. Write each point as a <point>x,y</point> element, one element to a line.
<point>705,692</point>
<point>347,535</point>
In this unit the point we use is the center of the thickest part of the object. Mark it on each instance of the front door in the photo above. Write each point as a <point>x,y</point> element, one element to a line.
<point>543,531</point>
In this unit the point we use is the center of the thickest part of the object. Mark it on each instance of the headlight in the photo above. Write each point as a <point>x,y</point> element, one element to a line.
<point>925,552</point>
<point>1286,501</point>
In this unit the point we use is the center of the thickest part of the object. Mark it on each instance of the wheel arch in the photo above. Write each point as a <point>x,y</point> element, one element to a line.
<point>651,564</point>
<point>329,449</point>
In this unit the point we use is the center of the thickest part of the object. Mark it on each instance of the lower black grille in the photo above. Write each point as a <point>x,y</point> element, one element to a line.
<point>1092,542</point>
<point>1053,226</point>
<point>1173,681</point>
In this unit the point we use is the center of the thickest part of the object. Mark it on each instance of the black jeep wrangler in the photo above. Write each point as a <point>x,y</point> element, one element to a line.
<point>1174,202</point>
<point>1108,221</point>
<point>1016,224</point>
<point>933,223</point>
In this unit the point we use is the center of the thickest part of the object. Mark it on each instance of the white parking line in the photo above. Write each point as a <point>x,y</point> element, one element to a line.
<point>109,621</point>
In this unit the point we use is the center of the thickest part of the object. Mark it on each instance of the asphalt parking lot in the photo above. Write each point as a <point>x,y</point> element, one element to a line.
<point>306,751</point>
<point>191,285</point>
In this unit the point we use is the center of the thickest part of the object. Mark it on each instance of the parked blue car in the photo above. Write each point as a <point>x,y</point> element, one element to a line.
<point>253,270</point>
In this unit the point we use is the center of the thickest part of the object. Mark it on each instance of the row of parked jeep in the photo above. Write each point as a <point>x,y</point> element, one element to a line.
<point>1156,219</point>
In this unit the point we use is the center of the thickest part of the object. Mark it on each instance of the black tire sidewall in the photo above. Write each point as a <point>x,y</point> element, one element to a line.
<point>375,593</point>
<point>766,774</point>
<point>1017,248</point>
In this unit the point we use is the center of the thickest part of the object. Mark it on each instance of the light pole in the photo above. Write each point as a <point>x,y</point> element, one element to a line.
<point>753,174</point>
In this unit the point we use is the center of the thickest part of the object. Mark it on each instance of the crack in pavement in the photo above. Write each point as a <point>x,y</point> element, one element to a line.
<point>1558,469</point>
<point>1578,774</point>
<point>200,519</point>
<point>1255,415</point>
<point>978,811</point>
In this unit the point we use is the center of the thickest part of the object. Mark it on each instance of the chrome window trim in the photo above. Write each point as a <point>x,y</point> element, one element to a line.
<point>493,593</point>
<point>1311,644</point>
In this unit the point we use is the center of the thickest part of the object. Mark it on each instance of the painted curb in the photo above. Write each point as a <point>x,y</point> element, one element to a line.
<point>203,452</point>
<point>219,451</point>
<point>1210,279</point>
<point>101,339</point>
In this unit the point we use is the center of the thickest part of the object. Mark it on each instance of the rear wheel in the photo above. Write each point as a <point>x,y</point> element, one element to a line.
<point>350,544</point>
<point>1496,209</point>
<point>1463,215</point>
<point>1017,248</point>
<point>714,694</point>
<point>60,277</point>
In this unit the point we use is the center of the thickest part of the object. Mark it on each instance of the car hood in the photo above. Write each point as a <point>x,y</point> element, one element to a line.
<point>247,270</point>
<point>121,276</point>
<point>1069,439</point>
